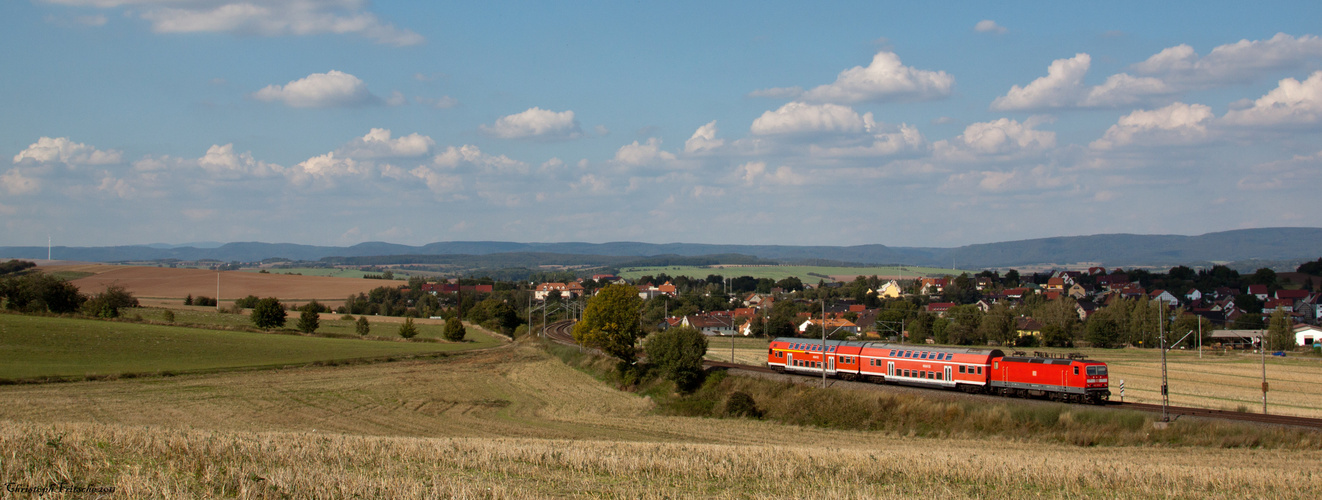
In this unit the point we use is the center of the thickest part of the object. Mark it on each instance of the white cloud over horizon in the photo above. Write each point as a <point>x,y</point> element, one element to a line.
<point>989,26</point>
<point>320,90</point>
<point>536,123</point>
<point>265,18</point>
<point>885,79</point>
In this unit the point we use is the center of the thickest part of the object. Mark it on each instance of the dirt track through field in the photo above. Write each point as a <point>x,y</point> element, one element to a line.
<point>159,282</point>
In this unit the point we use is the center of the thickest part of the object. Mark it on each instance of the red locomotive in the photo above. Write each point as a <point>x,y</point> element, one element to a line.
<point>967,369</point>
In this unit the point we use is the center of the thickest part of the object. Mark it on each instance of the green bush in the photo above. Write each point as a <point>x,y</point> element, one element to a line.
<point>361,326</point>
<point>454,330</point>
<point>308,320</point>
<point>677,353</point>
<point>408,330</point>
<point>248,302</point>
<point>108,303</point>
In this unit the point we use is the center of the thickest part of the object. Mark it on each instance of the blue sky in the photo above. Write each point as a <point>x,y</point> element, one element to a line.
<point>911,124</point>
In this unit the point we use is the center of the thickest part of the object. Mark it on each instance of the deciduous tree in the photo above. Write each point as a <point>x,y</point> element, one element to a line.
<point>268,313</point>
<point>611,323</point>
<point>1280,335</point>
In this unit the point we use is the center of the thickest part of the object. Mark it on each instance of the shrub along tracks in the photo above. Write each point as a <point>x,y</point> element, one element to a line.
<point>561,332</point>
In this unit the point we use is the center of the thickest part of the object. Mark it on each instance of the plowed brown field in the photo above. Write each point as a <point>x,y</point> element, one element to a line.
<point>166,283</point>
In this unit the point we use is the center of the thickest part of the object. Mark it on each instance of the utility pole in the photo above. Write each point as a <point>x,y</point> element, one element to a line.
<point>1262,348</point>
<point>1161,328</point>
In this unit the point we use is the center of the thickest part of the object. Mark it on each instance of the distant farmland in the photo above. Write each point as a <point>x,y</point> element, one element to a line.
<point>808,274</point>
<point>166,283</point>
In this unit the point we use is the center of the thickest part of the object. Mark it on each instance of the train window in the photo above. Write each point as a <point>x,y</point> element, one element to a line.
<point>979,370</point>
<point>922,355</point>
<point>1096,370</point>
<point>1076,370</point>
<point>938,376</point>
<point>961,368</point>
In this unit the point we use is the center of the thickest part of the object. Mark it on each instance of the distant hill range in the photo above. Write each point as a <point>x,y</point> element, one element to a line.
<point>1267,244</point>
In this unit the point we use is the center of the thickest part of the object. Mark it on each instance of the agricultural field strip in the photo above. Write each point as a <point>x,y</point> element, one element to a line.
<point>806,274</point>
<point>40,347</point>
<point>516,419</point>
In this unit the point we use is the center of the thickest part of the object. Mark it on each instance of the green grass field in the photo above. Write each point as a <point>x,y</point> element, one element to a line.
<point>804,273</point>
<point>330,323</point>
<point>35,347</point>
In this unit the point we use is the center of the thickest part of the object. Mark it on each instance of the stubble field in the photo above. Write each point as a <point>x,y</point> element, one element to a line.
<point>151,284</point>
<point>517,423</point>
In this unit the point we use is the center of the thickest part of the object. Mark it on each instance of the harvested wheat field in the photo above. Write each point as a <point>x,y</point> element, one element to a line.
<point>165,283</point>
<point>517,423</point>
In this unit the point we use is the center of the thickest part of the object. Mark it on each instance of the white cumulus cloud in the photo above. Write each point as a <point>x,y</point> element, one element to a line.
<point>885,79</point>
<point>1238,62</point>
<point>222,161</point>
<point>1291,103</point>
<point>536,123</point>
<point>988,26</point>
<point>329,165</point>
<point>1176,124</point>
<point>64,150</point>
<point>755,172</point>
<point>320,90</point>
<point>378,143</point>
<point>1000,138</point>
<point>703,139</point>
<point>904,140</point>
<point>15,183</point>
<point>641,154</point>
<point>263,18</point>
<point>799,118</point>
<point>1061,87</point>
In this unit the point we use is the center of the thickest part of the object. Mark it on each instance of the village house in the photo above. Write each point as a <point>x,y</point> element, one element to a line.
<point>890,290</point>
<point>939,308</point>
<point>711,325</point>
<point>571,290</point>
<point>833,326</point>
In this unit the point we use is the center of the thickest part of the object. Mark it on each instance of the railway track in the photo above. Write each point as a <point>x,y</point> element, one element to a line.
<point>561,331</point>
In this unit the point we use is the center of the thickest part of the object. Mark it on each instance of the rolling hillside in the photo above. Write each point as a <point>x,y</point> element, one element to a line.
<point>1269,244</point>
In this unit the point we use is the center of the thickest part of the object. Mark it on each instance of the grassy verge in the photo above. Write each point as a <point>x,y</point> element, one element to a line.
<point>35,348</point>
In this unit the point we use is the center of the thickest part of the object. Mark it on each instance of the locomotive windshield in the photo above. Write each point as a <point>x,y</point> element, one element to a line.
<point>1095,370</point>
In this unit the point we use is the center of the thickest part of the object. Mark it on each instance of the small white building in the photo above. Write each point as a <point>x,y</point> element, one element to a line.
<point>1307,335</point>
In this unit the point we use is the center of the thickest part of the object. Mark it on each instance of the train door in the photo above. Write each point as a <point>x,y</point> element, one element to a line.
<point>830,364</point>
<point>949,371</point>
<point>789,360</point>
<point>890,368</point>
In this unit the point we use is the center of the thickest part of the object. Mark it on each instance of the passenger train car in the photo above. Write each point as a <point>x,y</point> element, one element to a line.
<point>967,369</point>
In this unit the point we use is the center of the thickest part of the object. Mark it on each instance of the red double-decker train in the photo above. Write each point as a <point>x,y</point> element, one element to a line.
<point>972,370</point>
